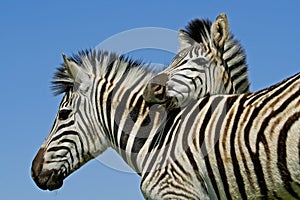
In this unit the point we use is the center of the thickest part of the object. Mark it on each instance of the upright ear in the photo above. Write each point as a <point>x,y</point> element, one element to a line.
<point>220,31</point>
<point>71,67</point>
<point>185,40</point>
<point>80,78</point>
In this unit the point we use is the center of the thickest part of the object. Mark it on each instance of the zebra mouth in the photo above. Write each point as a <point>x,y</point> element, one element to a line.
<point>45,179</point>
<point>49,180</point>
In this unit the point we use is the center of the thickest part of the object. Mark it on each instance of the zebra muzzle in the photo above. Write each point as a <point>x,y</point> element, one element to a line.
<point>45,179</point>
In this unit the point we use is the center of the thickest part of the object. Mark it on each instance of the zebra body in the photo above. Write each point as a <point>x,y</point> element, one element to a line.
<point>210,62</point>
<point>218,147</point>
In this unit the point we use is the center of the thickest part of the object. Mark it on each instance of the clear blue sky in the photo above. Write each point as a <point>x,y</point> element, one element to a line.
<point>33,34</point>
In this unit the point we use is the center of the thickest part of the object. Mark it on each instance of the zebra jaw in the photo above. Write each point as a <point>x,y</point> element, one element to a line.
<point>45,179</point>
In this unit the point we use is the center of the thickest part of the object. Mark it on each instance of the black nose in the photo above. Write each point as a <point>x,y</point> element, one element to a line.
<point>36,168</point>
<point>37,164</point>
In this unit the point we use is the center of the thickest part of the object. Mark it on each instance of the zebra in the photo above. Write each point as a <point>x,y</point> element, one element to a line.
<point>210,62</point>
<point>237,146</point>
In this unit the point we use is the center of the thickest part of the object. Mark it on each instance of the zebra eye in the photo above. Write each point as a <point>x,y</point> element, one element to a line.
<point>64,114</point>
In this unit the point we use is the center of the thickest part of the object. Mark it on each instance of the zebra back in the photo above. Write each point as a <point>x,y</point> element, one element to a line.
<point>210,61</point>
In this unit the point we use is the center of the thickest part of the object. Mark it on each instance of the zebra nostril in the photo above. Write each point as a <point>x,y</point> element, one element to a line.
<point>37,164</point>
<point>45,179</point>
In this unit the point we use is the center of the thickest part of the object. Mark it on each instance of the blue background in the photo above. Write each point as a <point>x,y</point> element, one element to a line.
<point>33,34</point>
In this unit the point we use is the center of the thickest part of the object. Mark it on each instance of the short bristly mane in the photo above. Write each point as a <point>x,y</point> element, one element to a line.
<point>199,30</point>
<point>100,63</point>
<point>234,54</point>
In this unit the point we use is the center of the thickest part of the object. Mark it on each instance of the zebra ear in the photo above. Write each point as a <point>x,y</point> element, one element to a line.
<point>71,67</point>
<point>220,31</point>
<point>79,77</point>
<point>185,40</point>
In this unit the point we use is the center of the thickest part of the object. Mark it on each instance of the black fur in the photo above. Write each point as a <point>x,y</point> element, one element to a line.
<point>197,28</point>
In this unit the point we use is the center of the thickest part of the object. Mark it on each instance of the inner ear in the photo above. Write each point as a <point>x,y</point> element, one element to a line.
<point>79,76</point>
<point>220,31</point>
<point>185,40</point>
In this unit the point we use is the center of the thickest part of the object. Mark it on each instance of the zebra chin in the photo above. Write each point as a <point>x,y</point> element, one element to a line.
<point>45,179</point>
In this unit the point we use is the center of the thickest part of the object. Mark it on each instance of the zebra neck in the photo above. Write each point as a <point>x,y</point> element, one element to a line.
<point>134,130</point>
<point>128,122</point>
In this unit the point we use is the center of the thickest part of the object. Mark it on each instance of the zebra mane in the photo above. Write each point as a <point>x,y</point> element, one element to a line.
<point>234,54</point>
<point>100,63</point>
<point>199,30</point>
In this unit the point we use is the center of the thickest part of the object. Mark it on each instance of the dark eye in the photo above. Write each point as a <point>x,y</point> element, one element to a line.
<point>64,114</point>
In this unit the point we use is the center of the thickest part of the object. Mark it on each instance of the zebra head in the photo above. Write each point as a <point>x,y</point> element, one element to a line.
<point>67,148</point>
<point>210,61</point>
